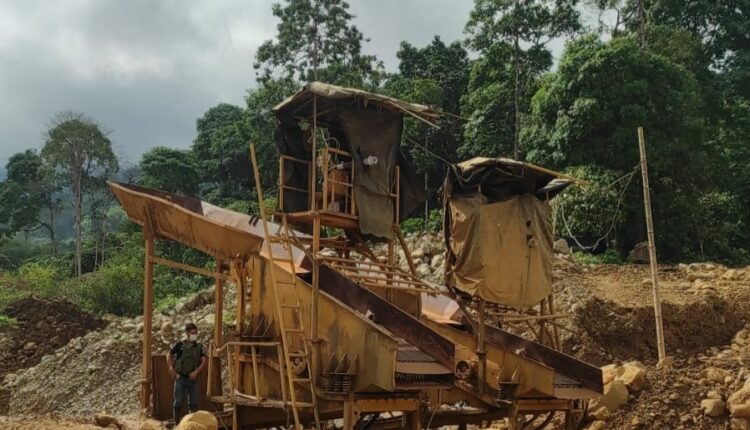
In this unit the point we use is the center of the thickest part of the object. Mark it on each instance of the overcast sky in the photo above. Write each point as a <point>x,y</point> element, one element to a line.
<point>147,69</point>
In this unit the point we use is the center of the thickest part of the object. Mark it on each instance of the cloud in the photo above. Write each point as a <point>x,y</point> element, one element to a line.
<point>148,69</point>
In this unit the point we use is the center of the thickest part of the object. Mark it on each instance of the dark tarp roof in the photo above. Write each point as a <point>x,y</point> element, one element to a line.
<point>329,95</point>
<point>501,178</point>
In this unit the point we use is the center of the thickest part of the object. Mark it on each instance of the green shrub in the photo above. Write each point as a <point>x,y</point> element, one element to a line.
<point>434,223</point>
<point>115,288</point>
<point>11,289</point>
<point>610,256</point>
<point>165,302</point>
<point>42,277</point>
<point>6,321</point>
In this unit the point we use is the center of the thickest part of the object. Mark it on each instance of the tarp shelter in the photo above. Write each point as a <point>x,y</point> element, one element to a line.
<point>365,125</point>
<point>498,229</point>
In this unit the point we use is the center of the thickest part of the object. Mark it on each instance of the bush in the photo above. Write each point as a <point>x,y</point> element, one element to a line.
<point>609,256</point>
<point>42,277</point>
<point>591,209</point>
<point>116,288</point>
<point>720,227</point>
<point>434,223</point>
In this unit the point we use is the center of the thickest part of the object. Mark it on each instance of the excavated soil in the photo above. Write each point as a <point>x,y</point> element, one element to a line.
<point>612,313</point>
<point>42,326</point>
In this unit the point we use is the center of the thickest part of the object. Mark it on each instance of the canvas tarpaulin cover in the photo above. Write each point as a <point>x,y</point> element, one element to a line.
<point>498,230</point>
<point>374,134</point>
<point>502,250</point>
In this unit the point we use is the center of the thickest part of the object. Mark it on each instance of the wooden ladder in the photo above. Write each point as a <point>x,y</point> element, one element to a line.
<point>294,329</point>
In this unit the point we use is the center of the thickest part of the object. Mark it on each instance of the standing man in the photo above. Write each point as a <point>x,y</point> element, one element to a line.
<point>186,361</point>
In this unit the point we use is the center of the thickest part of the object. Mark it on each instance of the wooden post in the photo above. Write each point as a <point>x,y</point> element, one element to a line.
<point>350,415</point>
<point>148,306</point>
<point>214,371</point>
<point>651,247</point>
<point>315,285</point>
<point>219,305</point>
<point>412,420</point>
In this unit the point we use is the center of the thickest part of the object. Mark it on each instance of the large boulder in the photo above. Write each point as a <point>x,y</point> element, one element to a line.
<point>106,420</point>
<point>639,254</point>
<point>713,407</point>
<point>740,411</point>
<point>615,395</point>
<point>715,374</point>
<point>200,420</point>
<point>610,372</point>
<point>740,397</point>
<point>151,425</point>
<point>633,375</point>
<point>561,246</point>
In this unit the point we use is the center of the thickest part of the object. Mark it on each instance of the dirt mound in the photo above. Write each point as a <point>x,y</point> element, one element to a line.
<point>42,326</point>
<point>613,332</point>
<point>99,372</point>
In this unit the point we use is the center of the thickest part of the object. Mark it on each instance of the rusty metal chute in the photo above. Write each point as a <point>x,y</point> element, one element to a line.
<point>218,232</point>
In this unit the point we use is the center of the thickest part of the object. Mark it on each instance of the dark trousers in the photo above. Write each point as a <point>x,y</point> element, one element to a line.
<point>184,388</point>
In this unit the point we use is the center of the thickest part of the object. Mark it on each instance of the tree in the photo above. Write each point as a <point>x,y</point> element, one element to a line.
<point>80,152</point>
<point>721,25</point>
<point>587,113</point>
<point>511,24</point>
<point>169,169</point>
<point>30,186</point>
<point>221,150</point>
<point>261,124</point>
<point>434,75</point>
<point>315,40</point>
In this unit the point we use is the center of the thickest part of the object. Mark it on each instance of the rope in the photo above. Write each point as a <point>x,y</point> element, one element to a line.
<point>629,177</point>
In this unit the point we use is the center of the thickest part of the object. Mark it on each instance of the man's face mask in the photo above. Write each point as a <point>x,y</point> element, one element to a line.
<point>192,337</point>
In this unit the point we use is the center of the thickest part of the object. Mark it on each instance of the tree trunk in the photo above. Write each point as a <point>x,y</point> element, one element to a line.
<point>641,24</point>
<point>426,198</point>
<point>516,94</point>
<point>51,229</point>
<point>78,209</point>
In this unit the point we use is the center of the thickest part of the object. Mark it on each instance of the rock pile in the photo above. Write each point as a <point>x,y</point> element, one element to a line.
<point>709,390</point>
<point>42,325</point>
<point>99,371</point>
<point>427,253</point>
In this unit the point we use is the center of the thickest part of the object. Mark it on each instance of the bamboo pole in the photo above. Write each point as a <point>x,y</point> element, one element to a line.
<point>651,247</point>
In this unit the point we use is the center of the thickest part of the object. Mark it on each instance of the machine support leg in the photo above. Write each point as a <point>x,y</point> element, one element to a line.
<point>350,415</point>
<point>413,420</point>
<point>148,306</point>
<point>481,350</point>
